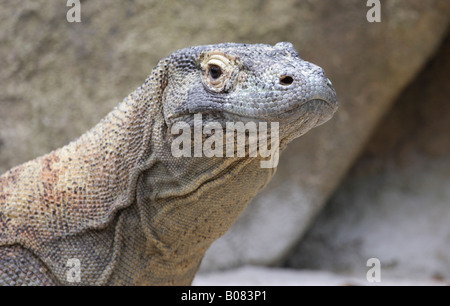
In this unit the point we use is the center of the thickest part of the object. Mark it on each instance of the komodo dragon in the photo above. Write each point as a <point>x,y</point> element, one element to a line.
<point>121,205</point>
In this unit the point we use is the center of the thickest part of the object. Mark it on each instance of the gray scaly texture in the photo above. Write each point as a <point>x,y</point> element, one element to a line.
<point>117,200</point>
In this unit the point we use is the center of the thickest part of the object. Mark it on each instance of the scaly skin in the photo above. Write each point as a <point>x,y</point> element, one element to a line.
<point>118,200</point>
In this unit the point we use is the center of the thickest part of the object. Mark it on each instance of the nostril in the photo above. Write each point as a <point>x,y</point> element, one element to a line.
<point>286,80</point>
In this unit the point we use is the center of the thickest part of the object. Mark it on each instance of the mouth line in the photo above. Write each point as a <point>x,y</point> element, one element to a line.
<point>285,113</point>
<point>297,107</point>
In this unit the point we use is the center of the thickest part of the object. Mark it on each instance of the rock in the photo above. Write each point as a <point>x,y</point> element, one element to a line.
<point>264,276</point>
<point>394,203</point>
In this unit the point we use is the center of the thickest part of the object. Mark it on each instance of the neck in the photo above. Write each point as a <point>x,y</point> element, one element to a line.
<point>181,206</point>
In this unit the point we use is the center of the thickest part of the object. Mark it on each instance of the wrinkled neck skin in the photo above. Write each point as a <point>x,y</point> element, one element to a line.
<point>181,205</point>
<point>118,192</point>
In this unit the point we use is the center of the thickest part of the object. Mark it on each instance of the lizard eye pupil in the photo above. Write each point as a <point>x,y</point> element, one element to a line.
<point>215,72</point>
<point>286,80</point>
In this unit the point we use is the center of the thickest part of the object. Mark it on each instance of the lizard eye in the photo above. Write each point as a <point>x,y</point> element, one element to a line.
<point>215,72</point>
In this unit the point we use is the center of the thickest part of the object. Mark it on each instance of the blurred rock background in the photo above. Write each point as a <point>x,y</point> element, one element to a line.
<point>58,79</point>
<point>394,203</point>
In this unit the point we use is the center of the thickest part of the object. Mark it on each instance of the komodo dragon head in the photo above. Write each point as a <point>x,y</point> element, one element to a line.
<point>126,207</point>
<point>241,83</point>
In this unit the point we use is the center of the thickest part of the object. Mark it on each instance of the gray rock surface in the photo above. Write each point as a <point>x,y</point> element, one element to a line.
<point>265,276</point>
<point>395,202</point>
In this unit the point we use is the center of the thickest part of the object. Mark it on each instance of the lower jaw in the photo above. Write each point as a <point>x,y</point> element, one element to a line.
<point>312,107</point>
<point>315,111</point>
